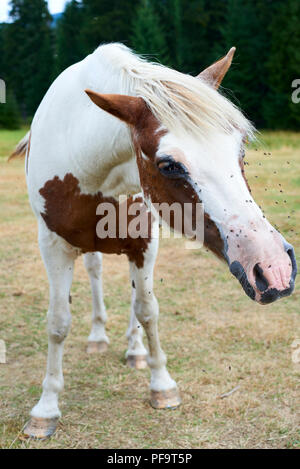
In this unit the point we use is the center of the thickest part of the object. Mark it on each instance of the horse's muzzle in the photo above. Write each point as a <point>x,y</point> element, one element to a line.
<point>261,291</point>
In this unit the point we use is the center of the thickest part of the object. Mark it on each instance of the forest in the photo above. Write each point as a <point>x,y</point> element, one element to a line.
<point>187,35</point>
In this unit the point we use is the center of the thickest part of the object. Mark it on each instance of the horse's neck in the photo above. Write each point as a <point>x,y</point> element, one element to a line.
<point>105,156</point>
<point>105,151</point>
<point>90,143</point>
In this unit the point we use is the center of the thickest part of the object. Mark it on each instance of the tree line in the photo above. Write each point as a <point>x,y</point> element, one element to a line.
<point>185,34</point>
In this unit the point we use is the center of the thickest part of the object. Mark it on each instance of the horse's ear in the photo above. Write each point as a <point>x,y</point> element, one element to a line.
<point>214,74</point>
<point>127,108</point>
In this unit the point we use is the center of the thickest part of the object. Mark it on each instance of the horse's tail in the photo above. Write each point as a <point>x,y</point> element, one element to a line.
<point>21,148</point>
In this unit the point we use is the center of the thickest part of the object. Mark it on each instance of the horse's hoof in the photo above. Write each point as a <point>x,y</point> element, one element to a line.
<point>40,427</point>
<point>169,399</point>
<point>97,347</point>
<point>139,362</point>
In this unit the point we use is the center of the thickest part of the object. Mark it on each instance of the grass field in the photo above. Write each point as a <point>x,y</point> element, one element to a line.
<point>215,337</point>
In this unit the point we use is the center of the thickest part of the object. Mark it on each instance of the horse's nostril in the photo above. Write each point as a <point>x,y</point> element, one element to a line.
<point>290,251</point>
<point>261,282</point>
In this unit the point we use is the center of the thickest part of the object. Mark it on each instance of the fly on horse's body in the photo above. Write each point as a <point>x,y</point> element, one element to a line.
<point>116,124</point>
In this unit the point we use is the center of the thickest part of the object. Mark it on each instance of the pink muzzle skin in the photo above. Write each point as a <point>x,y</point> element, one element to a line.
<point>263,262</point>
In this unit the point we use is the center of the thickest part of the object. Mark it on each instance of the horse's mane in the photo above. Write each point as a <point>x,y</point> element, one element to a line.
<point>179,101</point>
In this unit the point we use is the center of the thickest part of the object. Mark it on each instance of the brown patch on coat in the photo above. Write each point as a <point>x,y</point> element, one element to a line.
<point>146,133</point>
<point>72,215</point>
<point>212,237</point>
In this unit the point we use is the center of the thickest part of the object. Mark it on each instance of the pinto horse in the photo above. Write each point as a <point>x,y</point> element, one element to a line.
<point>117,124</point>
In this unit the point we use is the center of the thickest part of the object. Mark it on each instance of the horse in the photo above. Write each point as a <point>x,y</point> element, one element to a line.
<point>116,123</point>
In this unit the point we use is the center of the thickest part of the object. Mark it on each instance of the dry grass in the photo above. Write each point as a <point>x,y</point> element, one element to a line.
<point>215,338</point>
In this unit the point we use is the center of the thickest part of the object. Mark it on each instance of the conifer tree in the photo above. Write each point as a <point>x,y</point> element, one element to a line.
<point>247,76</point>
<point>147,34</point>
<point>2,63</point>
<point>194,19</point>
<point>29,52</point>
<point>283,67</point>
<point>69,49</point>
<point>9,113</point>
<point>169,15</point>
<point>106,21</point>
<point>178,33</point>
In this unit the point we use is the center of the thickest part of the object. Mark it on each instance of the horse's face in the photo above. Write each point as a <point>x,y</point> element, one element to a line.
<point>179,168</point>
<point>182,170</point>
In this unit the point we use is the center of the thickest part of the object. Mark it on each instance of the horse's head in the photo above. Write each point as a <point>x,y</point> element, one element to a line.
<point>189,143</point>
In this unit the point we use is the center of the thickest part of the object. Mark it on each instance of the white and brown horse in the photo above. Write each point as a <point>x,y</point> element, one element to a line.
<point>116,124</point>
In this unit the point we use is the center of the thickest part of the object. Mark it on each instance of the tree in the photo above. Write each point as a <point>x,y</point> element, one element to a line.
<point>283,66</point>
<point>29,52</point>
<point>69,47</point>
<point>215,20</point>
<point>245,28</point>
<point>106,21</point>
<point>9,113</point>
<point>184,24</point>
<point>2,62</point>
<point>169,15</point>
<point>178,33</point>
<point>147,34</point>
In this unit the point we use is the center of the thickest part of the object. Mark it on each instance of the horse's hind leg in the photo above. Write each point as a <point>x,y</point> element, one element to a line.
<point>59,263</point>
<point>97,340</point>
<point>164,392</point>
<point>136,353</point>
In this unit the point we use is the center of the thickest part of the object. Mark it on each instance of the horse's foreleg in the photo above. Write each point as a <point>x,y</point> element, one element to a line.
<point>136,353</point>
<point>97,340</point>
<point>164,392</point>
<point>59,262</point>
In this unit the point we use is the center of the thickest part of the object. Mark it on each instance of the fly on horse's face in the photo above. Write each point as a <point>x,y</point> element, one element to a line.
<point>178,167</point>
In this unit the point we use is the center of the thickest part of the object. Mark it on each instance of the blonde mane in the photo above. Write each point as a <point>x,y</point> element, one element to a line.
<point>179,101</point>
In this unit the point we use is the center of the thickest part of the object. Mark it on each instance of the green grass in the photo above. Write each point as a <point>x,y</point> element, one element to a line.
<point>271,140</point>
<point>9,139</point>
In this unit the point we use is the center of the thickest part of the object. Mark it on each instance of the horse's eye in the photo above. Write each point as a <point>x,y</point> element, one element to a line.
<point>171,168</point>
